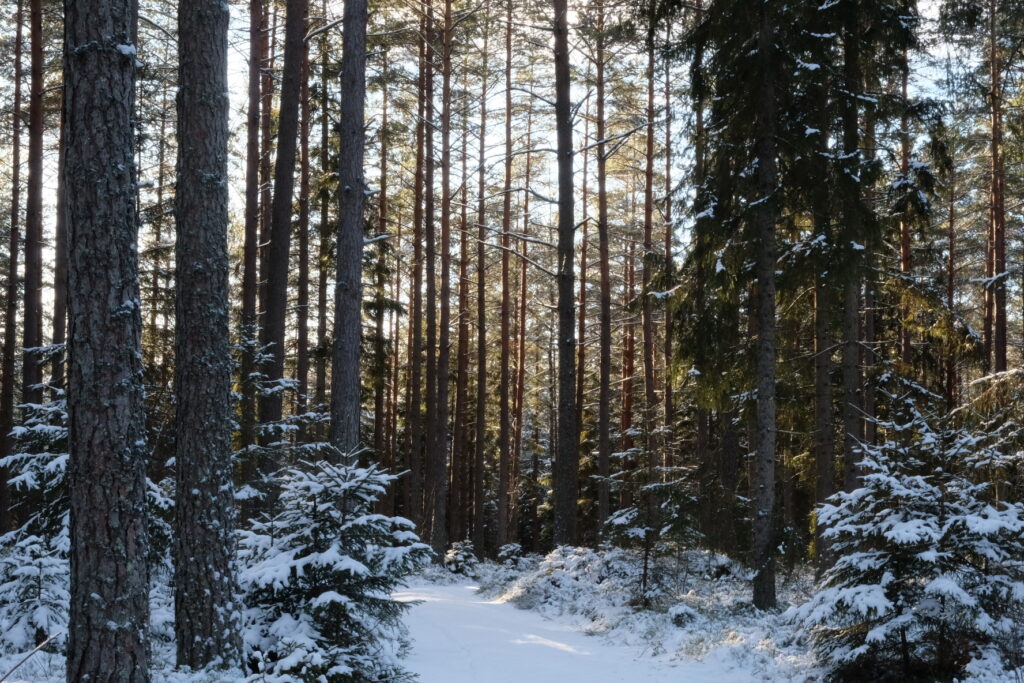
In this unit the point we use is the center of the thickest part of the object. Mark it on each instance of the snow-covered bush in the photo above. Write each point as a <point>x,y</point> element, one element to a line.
<point>34,569</point>
<point>510,553</point>
<point>929,563</point>
<point>35,557</point>
<point>318,574</point>
<point>461,558</point>
<point>33,589</point>
<point>576,577</point>
<point>659,523</point>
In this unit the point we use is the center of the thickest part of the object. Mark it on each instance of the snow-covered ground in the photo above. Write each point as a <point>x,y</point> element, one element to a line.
<point>460,637</point>
<point>573,616</point>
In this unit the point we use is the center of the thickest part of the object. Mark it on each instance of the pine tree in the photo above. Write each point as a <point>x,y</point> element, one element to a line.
<point>206,618</point>
<point>107,470</point>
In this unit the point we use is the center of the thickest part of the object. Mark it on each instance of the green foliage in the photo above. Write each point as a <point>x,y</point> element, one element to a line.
<point>318,572</point>
<point>930,564</point>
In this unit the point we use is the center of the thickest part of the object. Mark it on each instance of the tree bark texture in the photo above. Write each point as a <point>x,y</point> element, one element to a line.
<point>567,459</point>
<point>345,401</point>
<point>109,607</point>
<point>205,615</point>
<point>278,250</point>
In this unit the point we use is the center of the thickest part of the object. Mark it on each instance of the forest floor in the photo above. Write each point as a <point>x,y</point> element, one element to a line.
<point>460,637</point>
<point>573,616</point>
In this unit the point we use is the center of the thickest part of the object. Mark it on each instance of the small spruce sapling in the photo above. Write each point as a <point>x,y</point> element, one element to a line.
<point>929,563</point>
<point>318,573</point>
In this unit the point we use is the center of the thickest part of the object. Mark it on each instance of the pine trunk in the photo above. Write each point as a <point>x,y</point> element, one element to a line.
<point>481,314</point>
<point>604,399</point>
<point>439,462</point>
<point>205,615</point>
<point>32,327</point>
<point>567,459</point>
<point>764,217</point>
<point>345,385</point>
<point>251,244</point>
<point>302,230</point>
<point>504,407</point>
<point>11,289</point>
<point>998,201</point>
<point>109,605</point>
<point>278,250</point>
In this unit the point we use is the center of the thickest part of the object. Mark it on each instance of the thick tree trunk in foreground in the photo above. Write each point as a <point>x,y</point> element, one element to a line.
<point>109,607</point>
<point>205,617</point>
<point>567,458</point>
<point>352,193</point>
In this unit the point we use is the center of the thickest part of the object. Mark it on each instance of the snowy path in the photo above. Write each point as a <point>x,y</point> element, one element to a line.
<point>459,637</point>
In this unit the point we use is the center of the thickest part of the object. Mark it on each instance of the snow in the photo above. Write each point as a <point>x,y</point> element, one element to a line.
<point>461,637</point>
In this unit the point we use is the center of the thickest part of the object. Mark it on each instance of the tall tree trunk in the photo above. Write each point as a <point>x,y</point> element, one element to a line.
<point>430,235</point>
<point>626,443</point>
<point>824,422</point>
<point>414,411</point>
<point>669,265</point>
<point>952,395</point>
<point>268,45</point>
<point>520,383</point>
<point>439,462</point>
<point>109,605</point>
<point>302,305</point>
<point>251,245</point>
<point>581,335</point>
<point>567,460</point>
<point>504,408</point>
<point>325,248</point>
<point>604,399</point>
<point>646,312</point>
<point>998,201</point>
<point>380,360</point>
<point>763,219</point>
<point>11,289</point>
<point>824,447</point>
<point>278,250</point>
<point>32,328</point>
<point>481,311</point>
<point>60,267</point>
<point>905,253</point>
<point>206,618</point>
<point>853,425</point>
<point>459,478</point>
<point>352,196</point>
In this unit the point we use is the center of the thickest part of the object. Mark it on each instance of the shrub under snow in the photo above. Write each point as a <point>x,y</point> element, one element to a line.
<point>929,566</point>
<point>318,575</point>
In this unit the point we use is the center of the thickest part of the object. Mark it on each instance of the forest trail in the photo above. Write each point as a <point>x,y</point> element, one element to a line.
<point>459,637</point>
